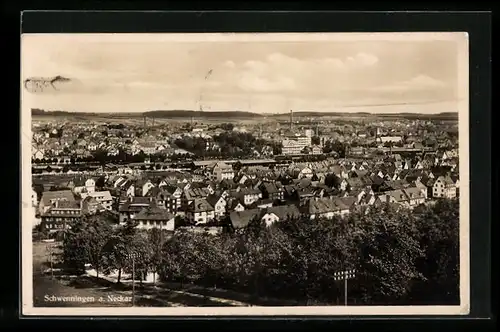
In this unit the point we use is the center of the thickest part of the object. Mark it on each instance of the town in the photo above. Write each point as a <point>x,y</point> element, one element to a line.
<point>182,173</point>
<point>187,180</point>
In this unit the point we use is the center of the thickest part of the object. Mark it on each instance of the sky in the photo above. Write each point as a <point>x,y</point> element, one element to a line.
<point>112,73</point>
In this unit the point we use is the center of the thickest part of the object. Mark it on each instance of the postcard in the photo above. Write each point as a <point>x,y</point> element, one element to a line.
<point>245,174</point>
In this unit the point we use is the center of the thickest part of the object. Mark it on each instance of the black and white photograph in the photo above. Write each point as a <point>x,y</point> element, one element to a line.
<point>245,174</point>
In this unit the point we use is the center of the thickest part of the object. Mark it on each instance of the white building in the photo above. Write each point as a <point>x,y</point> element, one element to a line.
<point>444,187</point>
<point>222,171</point>
<point>295,144</point>
<point>102,197</point>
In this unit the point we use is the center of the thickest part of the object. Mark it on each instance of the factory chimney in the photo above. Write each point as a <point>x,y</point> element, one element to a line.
<point>291,119</point>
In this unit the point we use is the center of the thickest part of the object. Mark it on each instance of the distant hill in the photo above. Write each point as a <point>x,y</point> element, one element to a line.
<point>437,116</point>
<point>179,114</point>
<point>212,115</point>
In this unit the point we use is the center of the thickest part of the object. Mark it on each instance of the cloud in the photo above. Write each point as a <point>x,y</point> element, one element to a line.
<point>229,64</point>
<point>280,72</point>
<point>417,83</point>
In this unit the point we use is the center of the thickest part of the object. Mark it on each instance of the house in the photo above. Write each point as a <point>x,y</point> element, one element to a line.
<point>395,196</point>
<point>132,206</point>
<point>222,171</point>
<point>154,217</point>
<point>280,213</point>
<point>90,205</point>
<point>61,214</point>
<point>444,187</point>
<point>103,198</point>
<point>37,154</point>
<point>263,203</point>
<point>326,208</point>
<point>272,190</point>
<point>50,197</point>
<point>92,146</point>
<point>250,195</point>
<point>415,195</point>
<point>306,172</point>
<point>219,204</point>
<point>200,211</point>
<point>146,187</point>
<point>80,185</point>
<point>236,205</point>
<point>423,188</point>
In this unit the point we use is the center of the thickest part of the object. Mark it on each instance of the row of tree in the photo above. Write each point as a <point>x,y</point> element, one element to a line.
<point>400,257</point>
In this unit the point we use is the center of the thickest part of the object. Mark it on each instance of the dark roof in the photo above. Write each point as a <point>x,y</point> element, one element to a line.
<point>324,205</point>
<point>213,199</point>
<point>201,205</point>
<point>153,213</point>
<point>284,211</point>
<point>240,219</point>
<point>47,196</point>
<point>273,188</point>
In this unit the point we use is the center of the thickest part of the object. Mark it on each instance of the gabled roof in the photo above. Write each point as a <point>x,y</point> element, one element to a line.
<point>240,219</point>
<point>154,213</point>
<point>398,195</point>
<point>213,199</point>
<point>284,211</point>
<point>325,205</point>
<point>47,196</point>
<point>414,192</point>
<point>201,205</point>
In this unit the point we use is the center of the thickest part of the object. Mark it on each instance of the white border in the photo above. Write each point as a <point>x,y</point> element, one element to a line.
<point>461,38</point>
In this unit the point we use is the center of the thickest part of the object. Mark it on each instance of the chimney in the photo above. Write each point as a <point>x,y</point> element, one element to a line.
<point>291,119</point>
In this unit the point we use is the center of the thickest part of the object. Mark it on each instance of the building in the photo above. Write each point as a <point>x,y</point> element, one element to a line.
<point>326,208</point>
<point>389,139</point>
<point>49,198</point>
<point>154,217</point>
<point>280,213</point>
<point>61,215</point>
<point>272,190</point>
<point>132,206</point>
<point>295,144</point>
<point>250,195</point>
<point>200,211</point>
<point>218,203</point>
<point>102,197</point>
<point>416,195</point>
<point>222,171</point>
<point>444,187</point>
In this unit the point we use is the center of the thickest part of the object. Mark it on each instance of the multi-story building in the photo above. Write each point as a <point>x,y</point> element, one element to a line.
<point>444,187</point>
<point>102,197</point>
<point>61,215</point>
<point>295,144</point>
<point>222,171</point>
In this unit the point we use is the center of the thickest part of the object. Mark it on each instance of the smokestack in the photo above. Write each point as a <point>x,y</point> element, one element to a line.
<point>144,122</point>
<point>291,119</point>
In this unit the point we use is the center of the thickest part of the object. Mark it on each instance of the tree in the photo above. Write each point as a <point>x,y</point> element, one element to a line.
<point>118,248</point>
<point>388,250</point>
<point>315,140</point>
<point>439,229</point>
<point>100,182</point>
<point>95,235</point>
<point>333,181</point>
